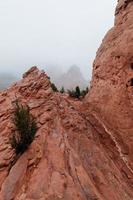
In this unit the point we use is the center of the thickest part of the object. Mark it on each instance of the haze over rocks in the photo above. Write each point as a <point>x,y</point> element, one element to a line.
<point>70,79</point>
<point>6,79</point>
<point>83,148</point>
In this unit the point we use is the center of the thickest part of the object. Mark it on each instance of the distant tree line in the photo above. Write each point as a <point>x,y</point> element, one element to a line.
<point>74,93</point>
<point>78,93</point>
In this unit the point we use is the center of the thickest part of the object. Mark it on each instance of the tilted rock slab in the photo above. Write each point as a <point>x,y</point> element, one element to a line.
<point>82,149</point>
<point>72,157</point>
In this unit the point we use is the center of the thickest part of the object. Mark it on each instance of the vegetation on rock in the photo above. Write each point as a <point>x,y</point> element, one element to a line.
<point>62,90</point>
<point>84,92</point>
<point>26,128</point>
<point>54,88</point>
<point>77,93</point>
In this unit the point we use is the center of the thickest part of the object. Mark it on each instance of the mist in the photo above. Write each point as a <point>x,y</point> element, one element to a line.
<point>50,34</point>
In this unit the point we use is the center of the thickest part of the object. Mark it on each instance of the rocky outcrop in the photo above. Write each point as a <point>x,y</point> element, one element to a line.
<point>122,4</point>
<point>82,149</point>
<point>111,95</point>
<point>72,157</point>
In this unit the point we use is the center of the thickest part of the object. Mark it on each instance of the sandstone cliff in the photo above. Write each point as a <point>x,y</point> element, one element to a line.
<point>111,96</point>
<point>83,149</point>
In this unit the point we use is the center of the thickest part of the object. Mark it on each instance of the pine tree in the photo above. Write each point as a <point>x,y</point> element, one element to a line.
<point>77,92</point>
<point>62,90</point>
<point>54,88</point>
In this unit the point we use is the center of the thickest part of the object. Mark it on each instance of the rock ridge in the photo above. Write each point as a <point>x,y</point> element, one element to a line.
<point>73,155</point>
<point>83,148</point>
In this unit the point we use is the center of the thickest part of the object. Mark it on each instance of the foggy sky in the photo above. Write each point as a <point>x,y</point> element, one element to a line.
<point>52,33</point>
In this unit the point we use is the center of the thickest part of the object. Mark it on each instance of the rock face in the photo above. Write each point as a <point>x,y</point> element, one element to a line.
<point>82,149</point>
<point>72,157</point>
<point>111,96</point>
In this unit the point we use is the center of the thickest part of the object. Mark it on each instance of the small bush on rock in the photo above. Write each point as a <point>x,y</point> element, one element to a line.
<point>77,93</point>
<point>84,92</point>
<point>26,128</point>
<point>62,90</point>
<point>71,93</point>
<point>54,88</point>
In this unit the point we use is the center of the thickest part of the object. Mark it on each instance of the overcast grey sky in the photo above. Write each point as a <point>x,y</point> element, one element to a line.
<point>52,32</point>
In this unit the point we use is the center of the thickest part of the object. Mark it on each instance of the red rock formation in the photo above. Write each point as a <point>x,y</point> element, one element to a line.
<point>69,158</point>
<point>82,150</point>
<point>111,93</point>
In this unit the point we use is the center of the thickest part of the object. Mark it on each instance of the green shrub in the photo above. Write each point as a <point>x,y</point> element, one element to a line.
<point>62,90</point>
<point>54,88</point>
<point>71,93</point>
<point>84,92</point>
<point>77,93</point>
<point>26,128</point>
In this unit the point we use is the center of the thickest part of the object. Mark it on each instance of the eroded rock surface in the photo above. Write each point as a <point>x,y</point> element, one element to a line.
<point>83,149</point>
<point>72,157</point>
<point>111,95</point>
